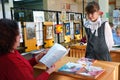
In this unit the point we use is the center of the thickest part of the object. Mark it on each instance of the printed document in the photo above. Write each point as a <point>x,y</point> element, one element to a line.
<point>56,52</point>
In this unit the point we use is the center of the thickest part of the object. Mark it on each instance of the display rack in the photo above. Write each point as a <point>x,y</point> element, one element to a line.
<point>26,15</point>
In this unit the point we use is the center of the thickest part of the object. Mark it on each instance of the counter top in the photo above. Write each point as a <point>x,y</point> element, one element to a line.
<point>111,69</point>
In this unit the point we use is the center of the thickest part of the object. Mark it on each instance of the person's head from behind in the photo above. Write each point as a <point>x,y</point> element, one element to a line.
<point>118,31</point>
<point>9,36</point>
<point>93,11</point>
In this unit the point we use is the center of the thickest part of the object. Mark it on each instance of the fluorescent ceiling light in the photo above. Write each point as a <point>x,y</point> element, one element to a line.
<point>17,0</point>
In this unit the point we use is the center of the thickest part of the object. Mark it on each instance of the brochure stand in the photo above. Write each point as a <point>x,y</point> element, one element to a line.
<point>29,36</point>
<point>48,34</point>
<point>78,31</point>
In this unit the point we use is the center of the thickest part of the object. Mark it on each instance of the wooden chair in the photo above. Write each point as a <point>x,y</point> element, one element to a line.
<point>77,51</point>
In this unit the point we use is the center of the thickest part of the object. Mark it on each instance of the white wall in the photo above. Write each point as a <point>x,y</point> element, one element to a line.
<point>7,9</point>
<point>75,6</point>
<point>104,6</point>
<point>118,3</point>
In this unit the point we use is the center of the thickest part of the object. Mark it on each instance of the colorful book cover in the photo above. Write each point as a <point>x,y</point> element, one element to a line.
<point>70,67</point>
<point>91,71</point>
<point>86,61</point>
<point>83,67</point>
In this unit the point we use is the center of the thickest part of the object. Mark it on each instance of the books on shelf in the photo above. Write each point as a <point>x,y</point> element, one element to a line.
<point>56,52</point>
<point>82,67</point>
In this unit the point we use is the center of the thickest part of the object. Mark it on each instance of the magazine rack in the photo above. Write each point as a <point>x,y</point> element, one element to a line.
<point>78,31</point>
<point>48,34</point>
<point>29,36</point>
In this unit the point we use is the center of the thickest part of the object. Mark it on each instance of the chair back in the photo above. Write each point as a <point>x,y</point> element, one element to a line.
<point>77,51</point>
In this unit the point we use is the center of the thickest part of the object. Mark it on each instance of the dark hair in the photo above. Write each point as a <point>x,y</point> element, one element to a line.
<point>118,27</point>
<point>8,33</point>
<point>111,24</point>
<point>92,7</point>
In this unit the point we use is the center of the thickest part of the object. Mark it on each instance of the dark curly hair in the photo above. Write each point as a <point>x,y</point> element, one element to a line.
<point>92,7</point>
<point>8,32</point>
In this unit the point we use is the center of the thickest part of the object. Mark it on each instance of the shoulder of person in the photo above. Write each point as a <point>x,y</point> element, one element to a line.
<point>114,34</point>
<point>106,23</point>
<point>86,24</point>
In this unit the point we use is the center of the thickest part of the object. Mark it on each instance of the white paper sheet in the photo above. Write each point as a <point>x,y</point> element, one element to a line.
<point>54,54</point>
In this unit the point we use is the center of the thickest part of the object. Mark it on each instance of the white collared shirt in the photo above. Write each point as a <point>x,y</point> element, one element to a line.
<point>108,36</point>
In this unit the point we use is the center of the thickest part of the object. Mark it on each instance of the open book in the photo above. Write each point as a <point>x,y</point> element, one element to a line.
<point>56,52</point>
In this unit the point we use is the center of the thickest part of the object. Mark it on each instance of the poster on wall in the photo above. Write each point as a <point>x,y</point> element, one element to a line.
<point>58,28</point>
<point>116,13</point>
<point>77,17</point>
<point>39,33</point>
<point>30,30</point>
<point>67,16</point>
<point>20,30</point>
<point>77,28</point>
<point>63,16</point>
<point>38,16</point>
<point>71,29</point>
<point>21,14</point>
<point>61,37</point>
<point>67,28</point>
<point>71,16</point>
<point>49,33</point>
<point>116,17</point>
<point>51,16</point>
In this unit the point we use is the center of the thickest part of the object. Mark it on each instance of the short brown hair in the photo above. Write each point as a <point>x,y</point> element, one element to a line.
<point>92,7</point>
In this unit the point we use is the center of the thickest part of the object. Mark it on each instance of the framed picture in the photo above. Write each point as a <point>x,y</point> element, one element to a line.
<point>30,30</point>
<point>67,16</point>
<point>20,30</point>
<point>77,17</point>
<point>49,32</point>
<point>67,28</point>
<point>77,28</point>
<point>58,28</point>
<point>39,33</point>
<point>71,16</point>
<point>38,16</point>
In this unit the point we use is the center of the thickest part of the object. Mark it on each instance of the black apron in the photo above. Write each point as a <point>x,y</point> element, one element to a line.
<point>96,45</point>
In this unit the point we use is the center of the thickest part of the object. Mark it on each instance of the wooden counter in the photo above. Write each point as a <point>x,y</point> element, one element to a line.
<point>78,51</point>
<point>111,70</point>
<point>115,54</point>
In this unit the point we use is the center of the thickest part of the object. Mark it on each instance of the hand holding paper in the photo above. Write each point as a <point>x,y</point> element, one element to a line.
<point>56,52</point>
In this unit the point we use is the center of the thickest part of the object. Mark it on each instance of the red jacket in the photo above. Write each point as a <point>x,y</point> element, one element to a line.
<point>14,67</point>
